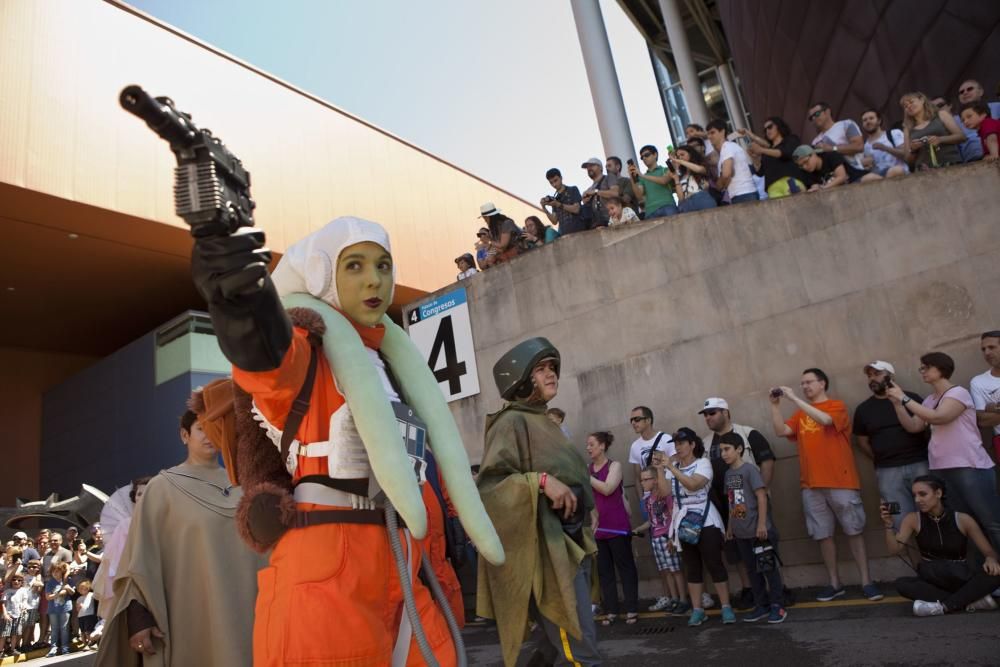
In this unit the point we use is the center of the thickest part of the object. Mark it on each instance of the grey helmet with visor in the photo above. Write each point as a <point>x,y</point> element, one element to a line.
<point>512,373</point>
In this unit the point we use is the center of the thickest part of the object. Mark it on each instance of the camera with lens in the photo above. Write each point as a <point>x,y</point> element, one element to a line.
<point>892,507</point>
<point>777,393</point>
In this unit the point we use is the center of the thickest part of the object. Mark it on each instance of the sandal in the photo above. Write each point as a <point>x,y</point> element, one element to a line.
<point>631,618</point>
<point>609,620</point>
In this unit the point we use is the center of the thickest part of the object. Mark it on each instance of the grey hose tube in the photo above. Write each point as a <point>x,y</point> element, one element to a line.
<point>449,615</point>
<point>392,525</point>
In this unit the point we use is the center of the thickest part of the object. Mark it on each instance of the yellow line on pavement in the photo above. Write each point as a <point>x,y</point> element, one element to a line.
<point>798,605</point>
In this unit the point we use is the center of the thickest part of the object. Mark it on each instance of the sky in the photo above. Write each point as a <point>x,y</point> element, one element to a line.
<point>497,88</point>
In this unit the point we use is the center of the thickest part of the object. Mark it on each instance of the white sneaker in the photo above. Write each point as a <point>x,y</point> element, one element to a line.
<point>660,604</point>
<point>706,601</point>
<point>922,608</point>
<point>983,604</point>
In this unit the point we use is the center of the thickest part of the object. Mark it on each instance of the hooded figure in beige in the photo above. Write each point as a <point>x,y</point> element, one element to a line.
<point>186,585</point>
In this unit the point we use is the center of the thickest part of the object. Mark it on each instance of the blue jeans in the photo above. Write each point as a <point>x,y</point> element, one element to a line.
<point>59,623</point>
<point>662,212</point>
<point>895,483</point>
<point>974,491</point>
<point>699,201</point>
<point>767,588</point>
<point>739,199</point>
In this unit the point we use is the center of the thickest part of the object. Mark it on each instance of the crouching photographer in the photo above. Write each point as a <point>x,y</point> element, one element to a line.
<point>946,581</point>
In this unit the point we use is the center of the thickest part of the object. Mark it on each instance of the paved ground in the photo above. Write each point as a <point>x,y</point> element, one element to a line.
<point>842,633</point>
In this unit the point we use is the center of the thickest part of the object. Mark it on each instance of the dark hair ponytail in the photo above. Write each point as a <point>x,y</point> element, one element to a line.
<point>604,438</point>
<point>935,482</point>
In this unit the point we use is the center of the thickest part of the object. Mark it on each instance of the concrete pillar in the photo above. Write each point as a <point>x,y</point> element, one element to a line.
<point>604,89</point>
<point>732,94</point>
<point>686,68</point>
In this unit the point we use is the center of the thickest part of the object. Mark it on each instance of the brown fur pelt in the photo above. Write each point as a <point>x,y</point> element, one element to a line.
<point>258,462</point>
<point>260,468</point>
<point>307,319</point>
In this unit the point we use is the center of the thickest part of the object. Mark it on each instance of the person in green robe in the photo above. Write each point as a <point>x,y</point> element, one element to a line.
<point>536,489</point>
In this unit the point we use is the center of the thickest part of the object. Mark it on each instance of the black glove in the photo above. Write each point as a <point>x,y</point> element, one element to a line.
<point>230,272</point>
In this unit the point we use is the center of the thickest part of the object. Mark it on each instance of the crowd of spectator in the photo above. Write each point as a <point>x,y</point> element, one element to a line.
<point>47,591</point>
<point>706,503</point>
<point>717,168</point>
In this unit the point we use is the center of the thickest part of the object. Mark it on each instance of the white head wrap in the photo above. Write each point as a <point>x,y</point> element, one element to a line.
<point>310,264</point>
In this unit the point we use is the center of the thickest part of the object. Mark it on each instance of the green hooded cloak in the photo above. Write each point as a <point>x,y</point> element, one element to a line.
<point>542,560</point>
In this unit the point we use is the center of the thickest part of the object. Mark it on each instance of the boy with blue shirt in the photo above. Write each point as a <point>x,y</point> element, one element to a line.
<point>750,525</point>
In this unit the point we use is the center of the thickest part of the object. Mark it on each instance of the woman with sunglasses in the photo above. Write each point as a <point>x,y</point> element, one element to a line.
<point>946,581</point>
<point>772,158</point>
<point>690,475</point>
<point>930,135</point>
<point>955,452</point>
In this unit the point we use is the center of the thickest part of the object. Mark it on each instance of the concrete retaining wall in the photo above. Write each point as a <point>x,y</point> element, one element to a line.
<point>731,301</point>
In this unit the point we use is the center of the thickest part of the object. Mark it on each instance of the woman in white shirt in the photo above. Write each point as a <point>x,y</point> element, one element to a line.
<point>690,476</point>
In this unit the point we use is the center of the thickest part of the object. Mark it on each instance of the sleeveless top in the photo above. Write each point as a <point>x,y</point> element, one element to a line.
<point>611,514</point>
<point>946,154</point>
<point>941,540</point>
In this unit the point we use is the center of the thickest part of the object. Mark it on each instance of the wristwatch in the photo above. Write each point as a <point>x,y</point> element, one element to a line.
<point>905,400</point>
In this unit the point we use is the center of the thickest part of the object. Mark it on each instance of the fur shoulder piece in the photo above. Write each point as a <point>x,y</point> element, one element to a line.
<point>308,319</point>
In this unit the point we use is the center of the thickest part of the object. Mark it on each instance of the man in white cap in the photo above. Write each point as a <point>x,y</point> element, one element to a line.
<point>604,187</point>
<point>757,452</point>
<point>899,456</point>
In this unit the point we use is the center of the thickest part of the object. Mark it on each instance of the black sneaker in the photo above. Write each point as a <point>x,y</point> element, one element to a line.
<point>830,593</point>
<point>683,609</point>
<point>744,600</point>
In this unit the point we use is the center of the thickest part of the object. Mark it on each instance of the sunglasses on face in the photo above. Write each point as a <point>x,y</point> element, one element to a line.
<point>636,420</point>
<point>816,114</point>
<point>645,155</point>
<point>967,89</point>
<point>769,126</point>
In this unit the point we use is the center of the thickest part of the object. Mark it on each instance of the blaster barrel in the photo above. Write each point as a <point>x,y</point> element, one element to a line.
<point>160,115</point>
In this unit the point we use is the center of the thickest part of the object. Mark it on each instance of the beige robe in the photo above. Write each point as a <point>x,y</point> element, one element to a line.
<point>185,563</point>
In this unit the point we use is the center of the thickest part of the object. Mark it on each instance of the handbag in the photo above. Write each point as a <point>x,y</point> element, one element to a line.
<point>689,528</point>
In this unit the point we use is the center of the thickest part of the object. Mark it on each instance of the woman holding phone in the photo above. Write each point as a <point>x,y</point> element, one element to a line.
<point>946,581</point>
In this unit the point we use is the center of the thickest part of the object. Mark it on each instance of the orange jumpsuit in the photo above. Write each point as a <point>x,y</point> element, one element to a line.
<point>331,595</point>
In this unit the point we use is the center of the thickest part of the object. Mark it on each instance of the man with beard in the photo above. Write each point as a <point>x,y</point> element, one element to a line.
<point>899,456</point>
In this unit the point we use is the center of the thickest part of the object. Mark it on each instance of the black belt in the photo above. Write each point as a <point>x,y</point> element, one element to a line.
<point>320,517</point>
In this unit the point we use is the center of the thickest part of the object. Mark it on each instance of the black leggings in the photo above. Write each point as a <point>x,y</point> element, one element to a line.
<point>613,554</point>
<point>955,584</point>
<point>707,551</point>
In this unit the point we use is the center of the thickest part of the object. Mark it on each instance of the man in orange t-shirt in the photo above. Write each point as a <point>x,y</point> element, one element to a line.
<point>831,490</point>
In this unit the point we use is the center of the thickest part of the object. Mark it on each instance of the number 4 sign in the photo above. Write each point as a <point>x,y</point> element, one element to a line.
<point>442,331</point>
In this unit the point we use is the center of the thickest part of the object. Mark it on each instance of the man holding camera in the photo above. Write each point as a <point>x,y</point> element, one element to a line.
<point>831,488</point>
<point>563,209</point>
<point>604,187</point>
<point>899,456</point>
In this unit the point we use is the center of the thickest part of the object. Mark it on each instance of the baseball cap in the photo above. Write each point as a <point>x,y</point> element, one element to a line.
<point>594,160</point>
<point>881,366</point>
<point>684,434</point>
<point>803,151</point>
<point>714,404</point>
<point>20,535</point>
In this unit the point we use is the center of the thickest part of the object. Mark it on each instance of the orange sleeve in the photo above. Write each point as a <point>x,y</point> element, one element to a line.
<point>841,419</point>
<point>793,423</point>
<point>274,391</point>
